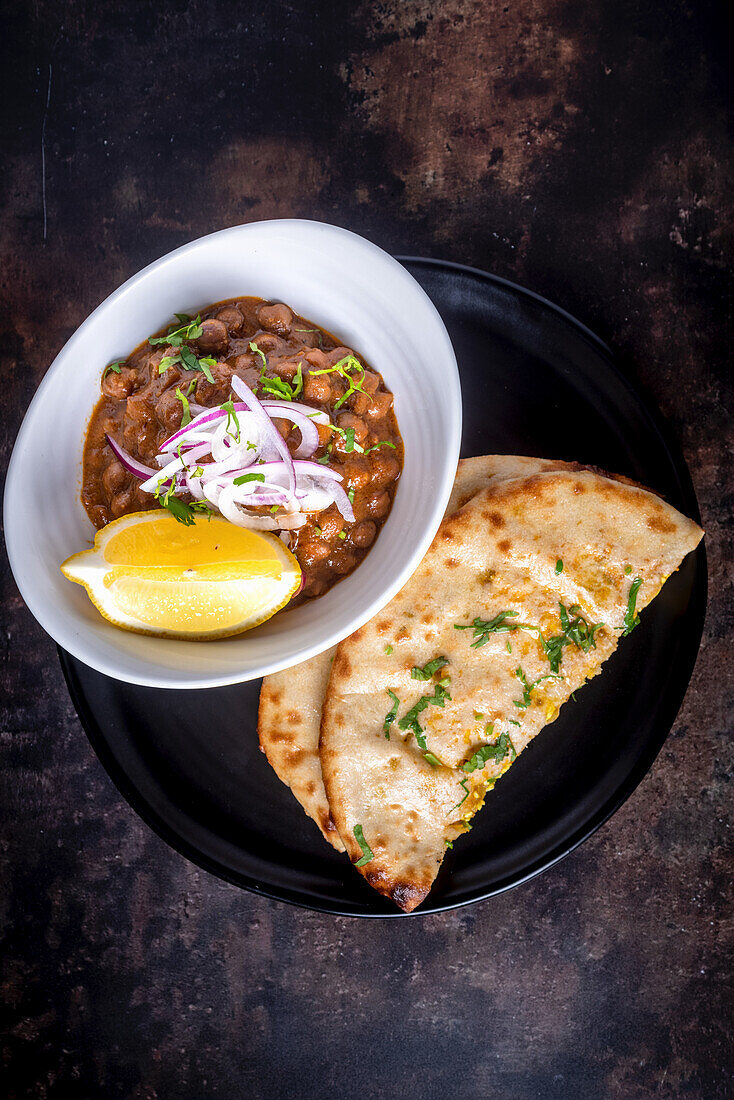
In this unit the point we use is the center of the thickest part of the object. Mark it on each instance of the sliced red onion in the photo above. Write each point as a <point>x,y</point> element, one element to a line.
<point>270,432</point>
<point>343,503</point>
<point>314,415</point>
<point>230,509</point>
<point>317,470</point>
<point>307,428</point>
<point>159,476</point>
<point>125,459</point>
<point>200,421</point>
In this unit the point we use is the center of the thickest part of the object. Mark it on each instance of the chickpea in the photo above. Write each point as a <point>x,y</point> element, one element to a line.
<point>276,318</point>
<point>363,534</point>
<point>317,388</point>
<point>114,477</point>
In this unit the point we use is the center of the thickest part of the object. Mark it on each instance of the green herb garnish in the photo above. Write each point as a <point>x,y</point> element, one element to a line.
<point>627,570</point>
<point>316,330</point>
<point>342,534</point>
<point>186,417</point>
<point>350,496</point>
<point>258,351</point>
<point>228,407</point>
<point>631,620</point>
<point>462,783</point>
<point>274,508</point>
<point>190,330</point>
<point>388,649</point>
<point>383,443</point>
<point>115,367</point>
<point>344,369</point>
<point>498,625</point>
<point>168,361</point>
<point>325,457</point>
<point>391,714</point>
<point>577,631</point>
<point>496,752</point>
<point>367,853</point>
<point>298,381</point>
<point>432,760</point>
<point>244,478</point>
<point>347,435</point>
<point>429,669</point>
<point>559,565</point>
<point>524,703</point>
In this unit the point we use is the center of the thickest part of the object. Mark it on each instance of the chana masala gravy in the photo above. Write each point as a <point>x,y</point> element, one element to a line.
<point>189,368</point>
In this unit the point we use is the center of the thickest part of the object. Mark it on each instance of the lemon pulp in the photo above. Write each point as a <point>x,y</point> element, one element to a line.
<point>150,574</point>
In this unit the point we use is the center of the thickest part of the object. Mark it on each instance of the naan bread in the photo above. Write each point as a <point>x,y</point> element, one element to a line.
<point>288,728</point>
<point>499,553</point>
<point>289,716</point>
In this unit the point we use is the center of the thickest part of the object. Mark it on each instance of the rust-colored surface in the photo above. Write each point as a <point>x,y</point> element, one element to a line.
<point>582,149</point>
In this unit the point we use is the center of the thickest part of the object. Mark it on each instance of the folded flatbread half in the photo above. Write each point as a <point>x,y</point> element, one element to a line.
<point>526,590</point>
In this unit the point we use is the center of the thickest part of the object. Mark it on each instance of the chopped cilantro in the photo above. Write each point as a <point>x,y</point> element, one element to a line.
<point>258,351</point>
<point>391,714</point>
<point>342,534</point>
<point>383,443</point>
<point>228,407</point>
<point>524,703</point>
<point>559,566</point>
<point>348,436</point>
<point>432,760</point>
<point>316,330</point>
<point>350,496</point>
<point>115,367</point>
<point>344,369</point>
<point>367,853</point>
<point>429,669</point>
<point>325,457</point>
<point>168,361</point>
<point>627,570</point>
<point>186,409</point>
<point>244,478</point>
<point>496,752</point>
<point>190,330</point>
<point>498,625</point>
<point>274,508</point>
<point>464,784</point>
<point>577,631</point>
<point>631,620</point>
<point>317,530</point>
<point>298,381</point>
<point>388,649</point>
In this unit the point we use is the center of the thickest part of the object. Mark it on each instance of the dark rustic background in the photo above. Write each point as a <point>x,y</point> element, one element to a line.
<point>580,147</point>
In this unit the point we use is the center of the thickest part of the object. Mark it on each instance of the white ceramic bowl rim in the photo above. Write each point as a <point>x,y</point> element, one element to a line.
<point>342,282</point>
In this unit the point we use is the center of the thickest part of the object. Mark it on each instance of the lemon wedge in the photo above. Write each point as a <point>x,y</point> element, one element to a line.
<point>152,575</point>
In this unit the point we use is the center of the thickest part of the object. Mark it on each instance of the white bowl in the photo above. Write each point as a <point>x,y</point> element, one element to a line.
<point>339,281</point>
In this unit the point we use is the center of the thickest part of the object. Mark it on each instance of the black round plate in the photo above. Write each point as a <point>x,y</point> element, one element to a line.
<point>535,382</point>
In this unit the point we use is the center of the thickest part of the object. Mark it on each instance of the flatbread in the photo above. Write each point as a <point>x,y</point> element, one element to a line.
<point>288,725</point>
<point>289,716</point>
<point>498,553</point>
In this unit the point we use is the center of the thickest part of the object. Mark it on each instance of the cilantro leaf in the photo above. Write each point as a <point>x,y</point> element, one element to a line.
<point>367,853</point>
<point>115,367</point>
<point>498,625</point>
<point>496,752</point>
<point>383,443</point>
<point>244,478</point>
<point>559,565</point>
<point>577,631</point>
<point>391,714</point>
<point>186,408</point>
<point>344,369</point>
<point>426,673</point>
<point>631,620</point>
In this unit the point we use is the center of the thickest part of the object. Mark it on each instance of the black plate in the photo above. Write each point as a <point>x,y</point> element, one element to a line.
<point>535,382</point>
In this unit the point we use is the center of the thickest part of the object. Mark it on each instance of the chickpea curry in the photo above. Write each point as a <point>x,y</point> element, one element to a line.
<point>310,448</point>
